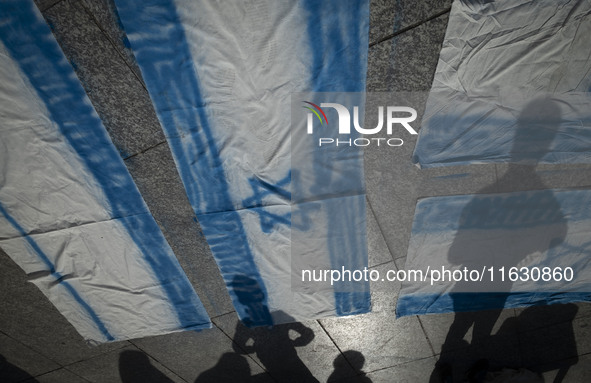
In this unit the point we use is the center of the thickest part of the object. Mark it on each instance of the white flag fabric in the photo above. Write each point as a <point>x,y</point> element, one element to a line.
<point>497,57</point>
<point>220,75</point>
<point>70,214</point>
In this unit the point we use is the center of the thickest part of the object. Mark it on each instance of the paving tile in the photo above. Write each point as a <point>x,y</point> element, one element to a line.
<point>387,17</point>
<point>58,376</point>
<point>288,352</point>
<point>389,171</point>
<point>407,62</point>
<point>48,333</point>
<point>457,180</point>
<point>118,96</point>
<point>127,365</point>
<point>28,317</point>
<point>393,213</point>
<point>514,177</point>
<point>384,292</point>
<point>377,248</point>
<point>16,293</point>
<point>105,15</point>
<point>582,330</point>
<point>18,362</point>
<point>437,327</point>
<point>45,4</point>
<point>584,309</point>
<point>157,179</point>
<point>400,262</point>
<point>411,372</point>
<point>191,354</point>
<point>383,340</point>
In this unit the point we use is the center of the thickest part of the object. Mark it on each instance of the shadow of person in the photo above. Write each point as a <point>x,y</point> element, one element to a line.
<point>273,345</point>
<point>342,368</point>
<point>505,230</point>
<point>135,367</point>
<point>11,373</point>
<point>229,369</point>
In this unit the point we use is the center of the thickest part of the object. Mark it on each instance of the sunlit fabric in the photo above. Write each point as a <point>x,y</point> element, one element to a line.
<point>70,214</point>
<point>497,57</point>
<point>220,75</point>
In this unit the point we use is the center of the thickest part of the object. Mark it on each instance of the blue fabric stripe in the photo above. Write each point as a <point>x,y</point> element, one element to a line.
<point>58,277</point>
<point>168,70</point>
<point>332,25</point>
<point>31,43</point>
<point>419,304</point>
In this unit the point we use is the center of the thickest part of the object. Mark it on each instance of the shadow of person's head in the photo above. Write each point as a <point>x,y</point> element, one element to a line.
<point>230,368</point>
<point>537,127</point>
<point>343,364</point>
<point>135,367</point>
<point>355,358</point>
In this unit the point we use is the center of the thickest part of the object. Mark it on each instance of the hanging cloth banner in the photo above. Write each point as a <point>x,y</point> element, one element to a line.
<point>497,58</point>
<point>220,75</point>
<point>70,214</point>
<point>492,251</point>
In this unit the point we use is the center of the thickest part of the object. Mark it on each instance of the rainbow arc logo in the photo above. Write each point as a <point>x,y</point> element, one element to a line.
<point>315,111</point>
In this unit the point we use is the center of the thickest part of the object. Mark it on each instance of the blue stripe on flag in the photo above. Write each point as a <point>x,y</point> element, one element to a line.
<point>58,277</point>
<point>333,25</point>
<point>168,70</point>
<point>419,304</point>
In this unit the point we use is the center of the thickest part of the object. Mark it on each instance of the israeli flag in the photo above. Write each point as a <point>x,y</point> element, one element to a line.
<point>70,214</point>
<point>494,251</point>
<point>221,75</point>
<point>492,66</point>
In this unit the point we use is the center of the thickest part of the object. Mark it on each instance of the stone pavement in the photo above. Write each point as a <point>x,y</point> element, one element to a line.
<point>38,344</point>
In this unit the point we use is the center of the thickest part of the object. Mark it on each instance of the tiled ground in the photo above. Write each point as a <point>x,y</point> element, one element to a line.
<point>37,344</point>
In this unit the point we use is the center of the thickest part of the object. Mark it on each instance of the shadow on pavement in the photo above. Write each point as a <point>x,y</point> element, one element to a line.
<point>489,215</point>
<point>135,367</point>
<point>11,373</point>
